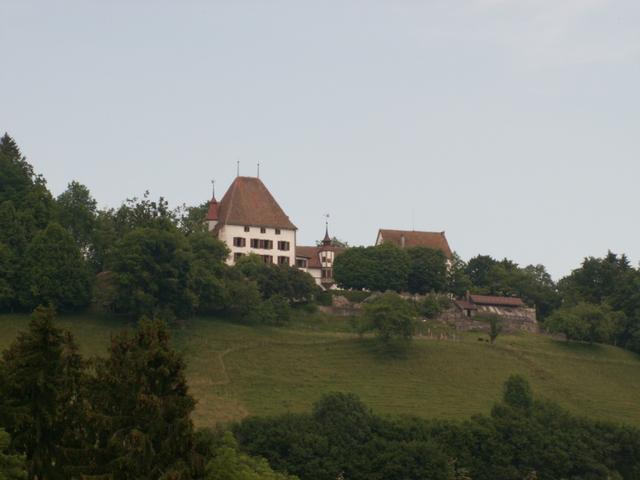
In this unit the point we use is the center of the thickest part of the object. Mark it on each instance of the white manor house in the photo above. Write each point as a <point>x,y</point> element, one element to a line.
<point>248,219</point>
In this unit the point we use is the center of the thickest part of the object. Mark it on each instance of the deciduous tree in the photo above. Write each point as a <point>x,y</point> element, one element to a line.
<point>55,271</point>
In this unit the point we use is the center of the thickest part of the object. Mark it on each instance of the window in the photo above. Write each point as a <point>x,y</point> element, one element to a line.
<point>267,258</point>
<point>237,255</point>
<point>327,273</point>
<point>263,230</point>
<point>263,244</point>
<point>239,242</point>
<point>284,246</point>
<point>247,229</point>
<point>283,260</point>
<point>301,263</point>
<point>277,231</point>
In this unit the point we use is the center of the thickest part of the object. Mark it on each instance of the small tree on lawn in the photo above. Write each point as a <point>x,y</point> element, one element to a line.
<point>495,326</point>
<point>390,317</point>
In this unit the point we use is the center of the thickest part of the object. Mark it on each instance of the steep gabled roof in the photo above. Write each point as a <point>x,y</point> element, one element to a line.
<point>435,240</point>
<point>249,202</point>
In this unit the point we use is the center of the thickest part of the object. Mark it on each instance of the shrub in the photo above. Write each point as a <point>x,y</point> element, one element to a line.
<point>433,305</point>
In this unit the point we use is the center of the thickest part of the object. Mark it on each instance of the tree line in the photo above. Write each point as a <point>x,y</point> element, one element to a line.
<point>144,258</point>
<point>522,438</point>
<point>141,258</point>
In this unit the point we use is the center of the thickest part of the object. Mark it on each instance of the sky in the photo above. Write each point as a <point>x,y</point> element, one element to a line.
<point>512,125</point>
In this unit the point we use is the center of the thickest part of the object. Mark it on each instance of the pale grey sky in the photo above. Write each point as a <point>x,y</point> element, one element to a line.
<point>513,125</point>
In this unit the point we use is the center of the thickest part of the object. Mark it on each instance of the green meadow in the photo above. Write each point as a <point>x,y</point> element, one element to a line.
<point>236,370</point>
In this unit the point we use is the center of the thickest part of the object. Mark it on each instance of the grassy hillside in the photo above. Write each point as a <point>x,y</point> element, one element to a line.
<point>236,370</point>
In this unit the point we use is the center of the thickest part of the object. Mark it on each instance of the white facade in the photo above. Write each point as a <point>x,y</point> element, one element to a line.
<point>274,245</point>
<point>316,273</point>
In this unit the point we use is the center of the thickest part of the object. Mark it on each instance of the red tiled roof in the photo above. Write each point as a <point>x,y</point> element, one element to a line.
<point>435,240</point>
<point>212,214</point>
<point>249,202</point>
<point>313,253</point>
<point>497,301</point>
<point>463,304</point>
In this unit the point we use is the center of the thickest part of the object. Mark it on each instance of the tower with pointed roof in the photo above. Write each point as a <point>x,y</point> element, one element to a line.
<point>318,261</point>
<point>212,213</point>
<point>248,220</point>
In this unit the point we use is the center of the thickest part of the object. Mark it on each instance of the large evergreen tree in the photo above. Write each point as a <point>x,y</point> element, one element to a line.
<point>23,188</point>
<point>12,467</point>
<point>142,407</point>
<point>40,378</point>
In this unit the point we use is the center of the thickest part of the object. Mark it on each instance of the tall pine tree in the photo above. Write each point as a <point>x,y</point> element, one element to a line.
<point>142,407</point>
<point>40,377</point>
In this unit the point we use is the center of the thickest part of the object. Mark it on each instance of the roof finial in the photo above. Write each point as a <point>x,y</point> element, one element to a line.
<point>237,168</point>
<point>258,169</point>
<point>327,238</point>
<point>213,189</point>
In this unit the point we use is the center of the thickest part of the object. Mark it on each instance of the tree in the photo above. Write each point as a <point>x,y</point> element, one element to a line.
<point>207,272</point>
<point>458,282</point>
<point>596,279</point>
<point>281,280</point>
<point>380,268</point>
<point>7,278</point>
<point>517,392</point>
<point>434,304</point>
<point>495,325</point>
<point>191,219</point>
<point>76,212</point>
<point>12,467</point>
<point>55,271</point>
<point>41,374</point>
<point>143,212</point>
<point>152,273</point>
<point>229,463</point>
<point>391,268</point>
<point>390,317</point>
<point>23,188</point>
<point>478,269</point>
<point>427,270</point>
<point>585,322</point>
<point>142,407</point>
<point>244,298</point>
<point>352,269</point>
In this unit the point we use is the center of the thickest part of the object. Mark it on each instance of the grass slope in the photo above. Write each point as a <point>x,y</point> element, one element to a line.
<point>236,370</point>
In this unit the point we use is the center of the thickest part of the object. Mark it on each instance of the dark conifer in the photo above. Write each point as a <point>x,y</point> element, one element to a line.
<point>142,407</point>
<point>39,394</point>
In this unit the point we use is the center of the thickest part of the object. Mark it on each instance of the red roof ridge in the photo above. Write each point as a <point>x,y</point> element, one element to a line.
<point>415,238</point>
<point>496,300</point>
<point>249,202</point>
